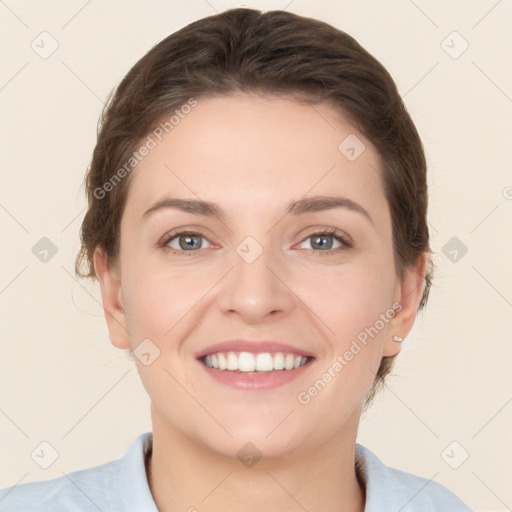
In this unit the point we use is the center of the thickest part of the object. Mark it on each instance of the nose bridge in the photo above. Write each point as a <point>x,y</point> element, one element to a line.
<point>254,288</point>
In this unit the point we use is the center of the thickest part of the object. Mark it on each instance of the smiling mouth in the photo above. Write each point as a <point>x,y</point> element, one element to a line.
<point>247,362</point>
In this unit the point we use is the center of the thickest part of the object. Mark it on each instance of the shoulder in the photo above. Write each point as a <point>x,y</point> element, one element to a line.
<point>391,489</point>
<point>83,490</point>
<point>115,485</point>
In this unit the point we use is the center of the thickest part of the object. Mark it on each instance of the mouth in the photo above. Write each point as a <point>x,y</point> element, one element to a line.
<point>255,363</point>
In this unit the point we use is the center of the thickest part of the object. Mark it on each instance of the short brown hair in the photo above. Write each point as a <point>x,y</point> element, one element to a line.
<point>275,52</point>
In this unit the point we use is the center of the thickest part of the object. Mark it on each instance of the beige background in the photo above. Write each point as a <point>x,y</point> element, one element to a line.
<point>62,381</point>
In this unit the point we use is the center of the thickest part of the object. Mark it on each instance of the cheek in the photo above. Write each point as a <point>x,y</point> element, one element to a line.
<point>157,301</point>
<point>355,302</point>
<point>351,298</point>
<point>356,306</point>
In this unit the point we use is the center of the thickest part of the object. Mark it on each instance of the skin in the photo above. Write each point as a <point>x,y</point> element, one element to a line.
<point>252,155</point>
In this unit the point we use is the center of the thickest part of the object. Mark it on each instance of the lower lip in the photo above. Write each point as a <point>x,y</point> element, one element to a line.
<point>255,382</point>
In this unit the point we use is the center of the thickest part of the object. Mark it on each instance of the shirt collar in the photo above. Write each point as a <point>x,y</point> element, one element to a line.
<point>133,482</point>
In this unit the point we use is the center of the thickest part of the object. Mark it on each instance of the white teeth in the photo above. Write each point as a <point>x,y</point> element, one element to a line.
<point>278,361</point>
<point>248,362</point>
<point>232,361</point>
<point>264,362</point>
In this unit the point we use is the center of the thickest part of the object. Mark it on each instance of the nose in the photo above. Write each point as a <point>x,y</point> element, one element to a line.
<point>256,290</point>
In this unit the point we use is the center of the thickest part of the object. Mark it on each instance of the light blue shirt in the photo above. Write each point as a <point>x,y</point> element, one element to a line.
<point>121,486</point>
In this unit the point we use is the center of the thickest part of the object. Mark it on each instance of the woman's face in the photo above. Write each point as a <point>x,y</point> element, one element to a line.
<point>258,273</point>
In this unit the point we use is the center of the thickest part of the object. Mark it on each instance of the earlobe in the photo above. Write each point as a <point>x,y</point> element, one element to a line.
<point>410,291</point>
<point>111,294</point>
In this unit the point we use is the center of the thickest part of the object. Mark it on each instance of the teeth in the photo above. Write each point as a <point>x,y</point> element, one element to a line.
<point>232,361</point>
<point>264,362</point>
<point>248,362</point>
<point>278,361</point>
<point>288,361</point>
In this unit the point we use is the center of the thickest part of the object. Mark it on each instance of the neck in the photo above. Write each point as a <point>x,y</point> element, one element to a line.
<point>186,476</point>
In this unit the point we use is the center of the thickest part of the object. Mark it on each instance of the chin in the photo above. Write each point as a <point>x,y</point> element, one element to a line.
<point>267,437</point>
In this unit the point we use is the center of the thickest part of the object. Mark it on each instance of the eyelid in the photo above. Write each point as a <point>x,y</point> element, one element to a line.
<point>171,235</point>
<point>344,239</point>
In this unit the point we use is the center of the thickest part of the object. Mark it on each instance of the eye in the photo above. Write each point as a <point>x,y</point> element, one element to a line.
<point>185,241</point>
<point>325,241</point>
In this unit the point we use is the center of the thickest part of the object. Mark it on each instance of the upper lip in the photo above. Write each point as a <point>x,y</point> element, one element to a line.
<point>244,345</point>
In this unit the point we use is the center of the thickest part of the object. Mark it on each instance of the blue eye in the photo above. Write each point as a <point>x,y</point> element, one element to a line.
<point>324,241</point>
<point>186,243</point>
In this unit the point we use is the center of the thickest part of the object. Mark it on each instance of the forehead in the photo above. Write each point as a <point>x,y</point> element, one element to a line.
<point>257,151</point>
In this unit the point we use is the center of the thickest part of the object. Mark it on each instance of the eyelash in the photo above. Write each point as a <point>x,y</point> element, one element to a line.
<point>346,243</point>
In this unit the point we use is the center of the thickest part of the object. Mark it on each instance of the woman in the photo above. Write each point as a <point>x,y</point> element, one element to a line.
<point>257,223</point>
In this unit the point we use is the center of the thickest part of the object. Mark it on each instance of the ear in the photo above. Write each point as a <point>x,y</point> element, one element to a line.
<point>111,293</point>
<point>408,294</point>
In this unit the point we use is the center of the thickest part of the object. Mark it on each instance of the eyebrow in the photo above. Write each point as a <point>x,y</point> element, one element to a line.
<point>301,206</point>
